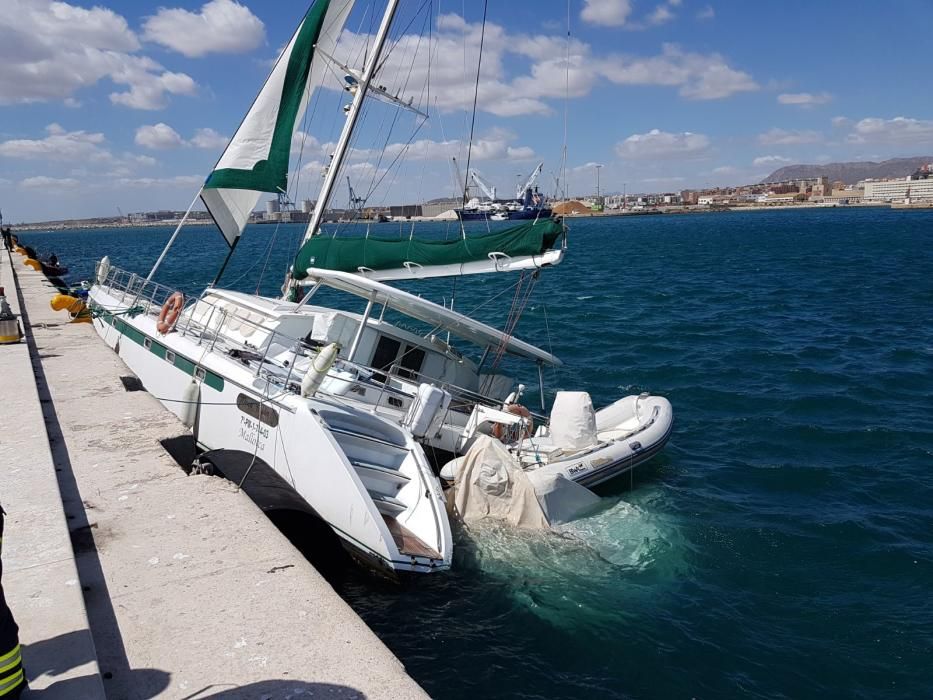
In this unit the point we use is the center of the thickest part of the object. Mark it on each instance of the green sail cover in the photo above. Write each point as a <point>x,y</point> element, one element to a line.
<point>349,254</point>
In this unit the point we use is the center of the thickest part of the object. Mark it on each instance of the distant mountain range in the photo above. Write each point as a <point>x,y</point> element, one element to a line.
<point>850,173</point>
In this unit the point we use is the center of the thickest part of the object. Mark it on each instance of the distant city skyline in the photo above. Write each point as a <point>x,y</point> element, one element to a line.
<point>128,104</point>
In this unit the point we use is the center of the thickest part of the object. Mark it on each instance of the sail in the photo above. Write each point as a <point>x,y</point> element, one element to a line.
<point>256,159</point>
<point>356,254</point>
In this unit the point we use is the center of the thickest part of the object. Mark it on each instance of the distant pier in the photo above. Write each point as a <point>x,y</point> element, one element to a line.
<point>129,578</point>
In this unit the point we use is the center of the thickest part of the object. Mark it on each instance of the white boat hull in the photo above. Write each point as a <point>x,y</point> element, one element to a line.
<point>296,437</point>
<point>619,454</point>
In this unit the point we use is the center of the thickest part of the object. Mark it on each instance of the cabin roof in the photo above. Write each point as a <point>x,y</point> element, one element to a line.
<point>427,311</point>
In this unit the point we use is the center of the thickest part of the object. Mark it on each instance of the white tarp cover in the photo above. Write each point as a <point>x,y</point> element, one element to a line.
<point>561,499</point>
<point>573,420</point>
<point>491,484</point>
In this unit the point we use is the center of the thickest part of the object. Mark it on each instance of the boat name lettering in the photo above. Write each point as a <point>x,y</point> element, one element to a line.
<point>252,432</point>
<point>577,468</point>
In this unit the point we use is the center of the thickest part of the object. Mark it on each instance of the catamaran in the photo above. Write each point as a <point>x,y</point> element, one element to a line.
<point>342,410</point>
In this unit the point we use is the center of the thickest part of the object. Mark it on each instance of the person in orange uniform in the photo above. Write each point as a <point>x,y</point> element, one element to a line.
<point>12,676</point>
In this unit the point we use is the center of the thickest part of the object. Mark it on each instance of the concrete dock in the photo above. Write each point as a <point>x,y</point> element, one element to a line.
<point>130,579</point>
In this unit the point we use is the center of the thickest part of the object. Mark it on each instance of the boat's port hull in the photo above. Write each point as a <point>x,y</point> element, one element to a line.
<point>229,407</point>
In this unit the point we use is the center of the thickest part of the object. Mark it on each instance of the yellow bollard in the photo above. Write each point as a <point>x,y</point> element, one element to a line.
<point>75,307</point>
<point>34,264</point>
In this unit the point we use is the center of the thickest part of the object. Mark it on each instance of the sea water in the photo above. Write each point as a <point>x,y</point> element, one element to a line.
<point>780,546</point>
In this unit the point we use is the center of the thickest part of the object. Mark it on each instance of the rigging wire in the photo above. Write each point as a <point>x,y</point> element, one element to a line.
<point>479,65</point>
<point>563,163</point>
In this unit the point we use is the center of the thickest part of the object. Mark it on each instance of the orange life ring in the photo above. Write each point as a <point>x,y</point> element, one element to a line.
<point>170,312</point>
<point>507,433</point>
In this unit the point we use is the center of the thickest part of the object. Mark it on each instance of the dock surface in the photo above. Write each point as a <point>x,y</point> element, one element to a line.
<point>129,578</point>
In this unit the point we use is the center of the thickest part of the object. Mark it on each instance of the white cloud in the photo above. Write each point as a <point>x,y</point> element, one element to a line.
<point>770,160</point>
<point>496,144</point>
<point>49,183</point>
<point>176,181</point>
<point>209,139</point>
<point>147,89</point>
<point>658,144</point>
<point>59,145</point>
<point>804,99</point>
<point>50,50</point>
<point>661,14</point>
<point>699,76</point>
<point>706,13</point>
<point>521,73</point>
<point>900,130</point>
<point>158,136</point>
<point>725,170</point>
<point>783,137</point>
<point>140,159</point>
<point>607,13</point>
<point>221,26</point>
<point>662,180</point>
<point>520,152</point>
<point>841,122</point>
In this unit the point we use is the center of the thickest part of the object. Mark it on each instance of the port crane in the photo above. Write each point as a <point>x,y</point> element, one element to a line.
<point>355,202</point>
<point>489,191</point>
<point>532,179</point>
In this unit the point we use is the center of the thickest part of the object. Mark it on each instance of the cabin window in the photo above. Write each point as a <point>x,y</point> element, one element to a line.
<point>386,351</point>
<point>411,362</point>
<point>256,409</point>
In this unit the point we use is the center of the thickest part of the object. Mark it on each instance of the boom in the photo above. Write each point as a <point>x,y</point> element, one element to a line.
<point>531,181</point>
<point>490,191</point>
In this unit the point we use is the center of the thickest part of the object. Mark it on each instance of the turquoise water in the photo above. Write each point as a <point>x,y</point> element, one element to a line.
<point>781,546</point>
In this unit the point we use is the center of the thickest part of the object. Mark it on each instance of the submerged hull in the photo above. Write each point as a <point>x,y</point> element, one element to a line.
<point>327,453</point>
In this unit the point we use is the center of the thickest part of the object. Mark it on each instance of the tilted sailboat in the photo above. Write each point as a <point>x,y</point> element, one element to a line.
<point>334,407</point>
<point>363,475</point>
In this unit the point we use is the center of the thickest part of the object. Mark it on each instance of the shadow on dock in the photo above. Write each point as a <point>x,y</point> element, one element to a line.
<point>102,620</point>
<point>56,656</point>
<point>278,688</point>
<point>310,535</point>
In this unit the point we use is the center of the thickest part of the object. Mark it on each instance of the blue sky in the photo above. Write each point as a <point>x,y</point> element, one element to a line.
<point>128,103</point>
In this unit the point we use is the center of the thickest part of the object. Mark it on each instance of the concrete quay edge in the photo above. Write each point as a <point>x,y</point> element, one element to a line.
<point>40,576</point>
<point>191,592</point>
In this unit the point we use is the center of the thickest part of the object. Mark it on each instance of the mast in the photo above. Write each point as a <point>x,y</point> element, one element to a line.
<point>330,180</point>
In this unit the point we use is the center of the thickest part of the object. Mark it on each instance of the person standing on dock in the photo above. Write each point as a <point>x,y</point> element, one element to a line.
<point>12,676</point>
<point>7,238</point>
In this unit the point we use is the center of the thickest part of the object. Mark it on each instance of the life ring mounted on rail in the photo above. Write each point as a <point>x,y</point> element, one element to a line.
<point>171,310</point>
<point>514,433</point>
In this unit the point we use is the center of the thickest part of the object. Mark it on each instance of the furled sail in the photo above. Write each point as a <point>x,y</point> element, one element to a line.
<point>391,258</point>
<point>256,159</point>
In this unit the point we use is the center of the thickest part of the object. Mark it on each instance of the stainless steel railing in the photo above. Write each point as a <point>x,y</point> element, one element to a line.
<point>134,290</point>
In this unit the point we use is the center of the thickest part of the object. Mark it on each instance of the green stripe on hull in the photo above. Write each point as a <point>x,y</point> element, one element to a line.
<point>214,381</point>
